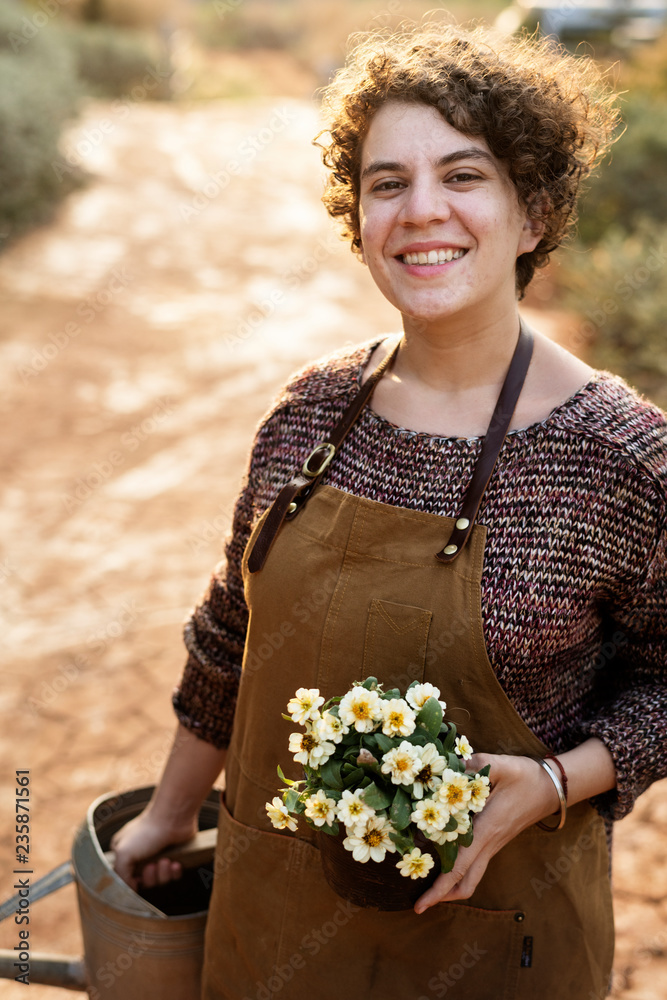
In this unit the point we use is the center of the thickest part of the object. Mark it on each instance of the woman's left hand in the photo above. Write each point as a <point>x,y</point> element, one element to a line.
<point>521,794</point>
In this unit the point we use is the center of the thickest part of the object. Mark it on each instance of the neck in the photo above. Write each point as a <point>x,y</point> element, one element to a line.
<point>456,356</point>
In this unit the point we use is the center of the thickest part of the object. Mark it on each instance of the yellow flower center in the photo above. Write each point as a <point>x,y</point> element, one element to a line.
<point>360,709</point>
<point>308,742</point>
<point>396,719</point>
<point>430,815</point>
<point>402,763</point>
<point>373,838</point>
<point>425,774</point>
<point>454,794</point>
<point>354,808</point>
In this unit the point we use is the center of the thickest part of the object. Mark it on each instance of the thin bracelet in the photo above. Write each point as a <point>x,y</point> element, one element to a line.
<point>563,775</point>
<point>561,797</point>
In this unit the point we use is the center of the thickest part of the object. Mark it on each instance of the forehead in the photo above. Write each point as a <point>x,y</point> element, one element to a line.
<point>410,132</point>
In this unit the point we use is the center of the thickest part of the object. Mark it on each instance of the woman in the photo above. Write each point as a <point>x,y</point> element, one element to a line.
<point>523,575</point>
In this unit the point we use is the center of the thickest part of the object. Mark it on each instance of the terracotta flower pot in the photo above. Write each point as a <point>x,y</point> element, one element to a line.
<point>376,884</point>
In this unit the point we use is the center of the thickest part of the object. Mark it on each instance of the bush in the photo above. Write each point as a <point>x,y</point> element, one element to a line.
<point>631,186</point>
<point>38,93</point>
<point>619,289</point>
<point>111,61</point>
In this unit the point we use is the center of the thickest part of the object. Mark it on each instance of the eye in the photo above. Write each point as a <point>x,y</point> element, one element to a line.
<point>388,185</point>
<point>462,177</point>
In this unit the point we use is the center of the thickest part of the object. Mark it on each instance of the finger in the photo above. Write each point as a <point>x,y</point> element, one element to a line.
<point>149,876</point>
<point>441,888</point>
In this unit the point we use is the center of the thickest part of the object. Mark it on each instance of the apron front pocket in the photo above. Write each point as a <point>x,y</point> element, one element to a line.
<point>395,643</point>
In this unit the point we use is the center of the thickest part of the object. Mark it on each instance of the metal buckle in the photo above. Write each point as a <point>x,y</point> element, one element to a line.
<point>330,451</point>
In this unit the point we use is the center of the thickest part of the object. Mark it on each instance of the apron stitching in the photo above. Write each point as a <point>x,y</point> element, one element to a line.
<point>332,616</point>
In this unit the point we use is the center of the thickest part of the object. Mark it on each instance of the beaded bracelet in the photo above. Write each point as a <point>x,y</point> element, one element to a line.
<point>561,797</point>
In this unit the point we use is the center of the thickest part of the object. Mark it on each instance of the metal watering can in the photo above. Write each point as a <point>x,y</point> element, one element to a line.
<point>134,946</point>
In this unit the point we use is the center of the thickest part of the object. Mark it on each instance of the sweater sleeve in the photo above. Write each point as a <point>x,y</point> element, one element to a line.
<point>215,632</point>
<point>632,719</point>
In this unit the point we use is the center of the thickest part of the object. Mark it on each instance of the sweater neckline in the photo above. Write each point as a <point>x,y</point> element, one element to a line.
<point>517,432</point>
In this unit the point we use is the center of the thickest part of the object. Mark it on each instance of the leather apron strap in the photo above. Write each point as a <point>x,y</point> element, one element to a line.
<point>295,493</point>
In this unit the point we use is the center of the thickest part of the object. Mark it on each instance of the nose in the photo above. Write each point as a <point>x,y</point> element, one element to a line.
<point>426,202</point>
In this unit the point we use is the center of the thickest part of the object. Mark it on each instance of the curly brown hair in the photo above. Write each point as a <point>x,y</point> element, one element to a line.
<point>547,114</point>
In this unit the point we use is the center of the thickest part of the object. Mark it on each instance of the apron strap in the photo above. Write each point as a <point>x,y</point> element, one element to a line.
<point>293,495</point>
<point>491,445</point>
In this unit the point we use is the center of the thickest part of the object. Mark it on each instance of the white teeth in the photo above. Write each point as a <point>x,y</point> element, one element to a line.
<point>433,256</point>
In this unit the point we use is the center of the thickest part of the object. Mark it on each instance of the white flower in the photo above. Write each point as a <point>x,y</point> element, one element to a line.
<point>479,786</point>
<point>320,808</point>
<point>431,765</point>
<point>463,748</point>
<point>463,825</point>
<point>330,727</point>
<point>371,842</point>
<point>305,705</point>
<point>352,810</point>
<point>402,763</point>
<point>420,694</point>
<point>309,749</point>
<point>398,717</point>
<point>279,816</point>
<point>431,815</point>
<point>360,708</point>
<point>415,864</point>
<point>454,792</point>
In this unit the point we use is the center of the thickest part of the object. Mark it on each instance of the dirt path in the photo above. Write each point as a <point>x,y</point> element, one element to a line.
<point>143,334</point>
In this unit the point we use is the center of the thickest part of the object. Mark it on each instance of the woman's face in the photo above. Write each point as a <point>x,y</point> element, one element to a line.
<point>441,223</point>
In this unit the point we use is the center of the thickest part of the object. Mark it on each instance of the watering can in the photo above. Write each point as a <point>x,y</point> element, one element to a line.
<point>135,946</point>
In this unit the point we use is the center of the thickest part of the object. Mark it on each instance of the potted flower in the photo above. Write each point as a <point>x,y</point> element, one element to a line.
<point>385,779</point>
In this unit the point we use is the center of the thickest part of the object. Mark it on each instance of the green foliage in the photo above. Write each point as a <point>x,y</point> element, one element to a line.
<point>38,94</point>
<point>110,61</point>
<point>631,186</point>
<point>619,288</point>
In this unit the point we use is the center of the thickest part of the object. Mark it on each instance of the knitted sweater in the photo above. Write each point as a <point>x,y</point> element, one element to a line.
<point>574,586</point>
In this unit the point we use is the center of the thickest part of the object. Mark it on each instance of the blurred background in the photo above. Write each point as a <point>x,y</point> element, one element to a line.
<point>165,263</point>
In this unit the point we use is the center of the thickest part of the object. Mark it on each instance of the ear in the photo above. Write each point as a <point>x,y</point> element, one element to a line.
<point>536,212</point>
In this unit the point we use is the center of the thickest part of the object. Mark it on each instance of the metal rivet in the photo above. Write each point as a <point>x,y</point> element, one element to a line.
<point>463,523</point>
<point>449,550</point>
<point>519,917</point>
<point>291,508</point>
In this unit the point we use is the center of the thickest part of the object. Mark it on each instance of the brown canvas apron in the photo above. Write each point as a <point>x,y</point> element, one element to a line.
<point>351,588</point>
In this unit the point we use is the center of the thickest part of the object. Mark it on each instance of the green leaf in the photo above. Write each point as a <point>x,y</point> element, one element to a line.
<point>465,840</point>
<point>376,797</point>
<point>370,683</point>
<point>401,810</point>
<point>450,739</point>
<point>404,842</point>
<point>385,743</point>
<point>452,824</point>
<point>455,763</point>
<point>484,773</point>
<point>330,773</point>
<point>353,777</point>
<point>286,780</point>
<point>430,717</point>
<point>331,830</point>
<point>393,693</point>
<point>291,799</point>
<point>448,853</point>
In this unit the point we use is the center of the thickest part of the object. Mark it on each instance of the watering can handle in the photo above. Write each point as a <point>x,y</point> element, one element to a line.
<point>59,877</point>
<point>199,850</point>
<point>193,853</point>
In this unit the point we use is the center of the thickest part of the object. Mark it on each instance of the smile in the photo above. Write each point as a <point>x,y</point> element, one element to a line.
<point>432,256</point>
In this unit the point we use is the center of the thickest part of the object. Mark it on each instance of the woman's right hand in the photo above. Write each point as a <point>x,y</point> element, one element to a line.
<point>142,838</point>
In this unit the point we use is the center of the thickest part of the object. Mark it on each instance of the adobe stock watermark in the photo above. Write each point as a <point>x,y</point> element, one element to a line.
<point>32,25</point>
<point>92,305</point>
<point>211,530</point>
<point>247,150</point>
<point>223,7</point>
<point>290,281</point>
<point>312,943</point>
<point>440,984</point>
<point>49,691</point>
<point>93,135</point>
<point>103,470</point>
<point>563,865</point>
<point>625,288</point>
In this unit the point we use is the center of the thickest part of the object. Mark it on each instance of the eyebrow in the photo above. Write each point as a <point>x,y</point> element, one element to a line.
<point>393,166</point>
